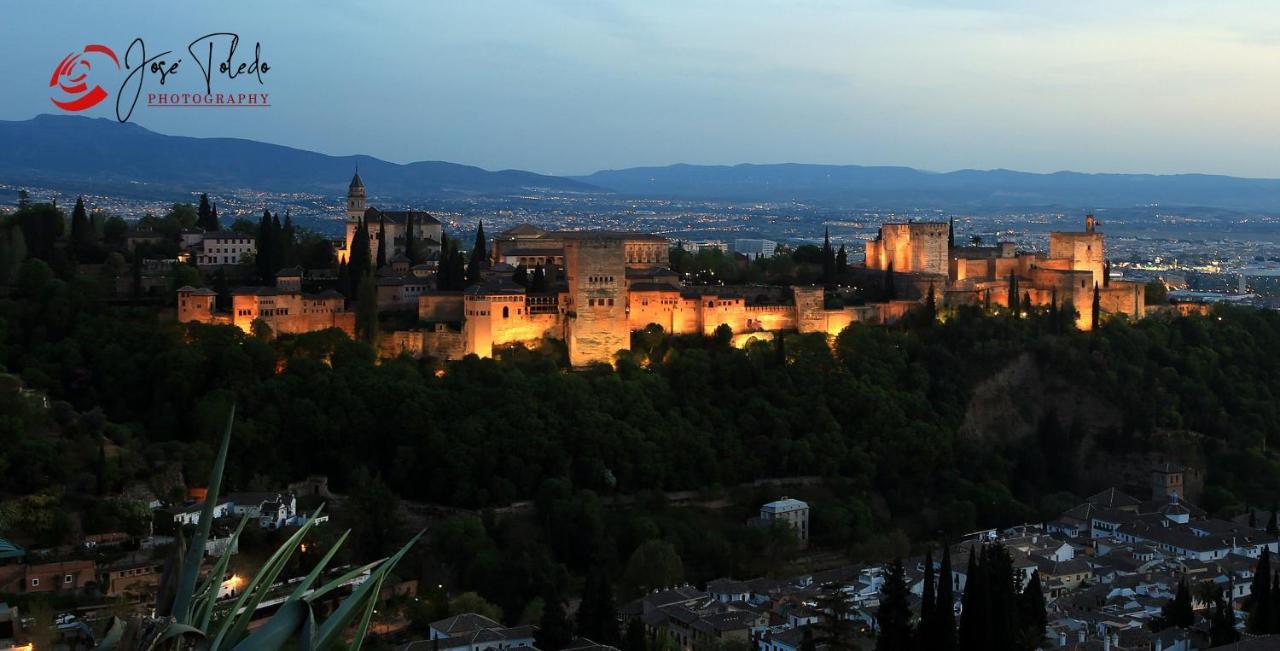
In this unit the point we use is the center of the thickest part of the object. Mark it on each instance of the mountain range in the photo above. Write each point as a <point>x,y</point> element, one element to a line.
<point>102,155</point>
<point>105,155</point>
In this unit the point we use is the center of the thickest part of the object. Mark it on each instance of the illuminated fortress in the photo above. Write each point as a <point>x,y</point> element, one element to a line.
<point>617,282</point>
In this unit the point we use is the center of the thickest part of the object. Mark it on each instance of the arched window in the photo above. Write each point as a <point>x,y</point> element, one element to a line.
<point>505,312</point>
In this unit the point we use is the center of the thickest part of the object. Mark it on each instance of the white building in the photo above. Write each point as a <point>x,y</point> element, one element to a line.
<point>791,512</point>
<point>223,248</point>
<point>755,248</point>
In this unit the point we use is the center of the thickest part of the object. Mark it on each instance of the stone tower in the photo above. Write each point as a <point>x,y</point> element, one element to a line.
<point>595,268</point>
<point>355,198</point>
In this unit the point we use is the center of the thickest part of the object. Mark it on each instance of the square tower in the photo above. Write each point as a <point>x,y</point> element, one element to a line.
<point>596,270</point>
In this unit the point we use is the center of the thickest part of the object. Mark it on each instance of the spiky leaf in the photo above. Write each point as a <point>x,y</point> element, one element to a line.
<point>191,569</point>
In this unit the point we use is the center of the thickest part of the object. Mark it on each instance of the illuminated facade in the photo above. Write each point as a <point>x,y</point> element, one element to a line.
<point>427,230</point>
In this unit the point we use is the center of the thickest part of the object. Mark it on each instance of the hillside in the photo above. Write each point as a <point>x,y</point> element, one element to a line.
<point>79,152</point>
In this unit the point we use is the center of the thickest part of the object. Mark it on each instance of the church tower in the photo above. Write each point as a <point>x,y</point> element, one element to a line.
<point>355,198</point>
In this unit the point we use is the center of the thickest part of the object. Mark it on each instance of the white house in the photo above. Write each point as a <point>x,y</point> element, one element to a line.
<point>189,515</point>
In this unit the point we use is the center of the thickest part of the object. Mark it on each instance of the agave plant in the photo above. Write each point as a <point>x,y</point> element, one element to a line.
<point>187,615</point>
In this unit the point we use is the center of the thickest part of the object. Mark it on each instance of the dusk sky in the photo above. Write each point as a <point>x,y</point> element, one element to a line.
<point>569,87</point>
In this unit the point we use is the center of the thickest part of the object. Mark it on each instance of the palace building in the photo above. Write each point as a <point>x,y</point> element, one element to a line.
<point>601,286</point>
<point>395,224</point>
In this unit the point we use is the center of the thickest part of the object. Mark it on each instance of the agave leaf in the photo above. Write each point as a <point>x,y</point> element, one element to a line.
<point>307,632</point>
<point>236,622</point>
<point>203,607</point>
<point>337,583</point>
<point>191,568</point>
<point>175,629</point>
<point>315,571</point>
<point>173,563</point>
<point>111,638</point>
<point>335,623</point>
<point>278,630</point>
<point>363,628</point>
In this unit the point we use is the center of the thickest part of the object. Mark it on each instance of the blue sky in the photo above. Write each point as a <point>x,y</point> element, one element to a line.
<point>572,86</point>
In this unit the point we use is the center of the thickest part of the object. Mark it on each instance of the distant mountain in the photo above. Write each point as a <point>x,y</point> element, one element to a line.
<point>903,186</point>
<point>84,153</point>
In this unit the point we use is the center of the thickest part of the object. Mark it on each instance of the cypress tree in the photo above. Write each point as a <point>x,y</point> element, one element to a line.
<point>1222,628</point>
<point>951,232</point>
<point>931,304</point>
<point>972,637</point>
<point>1012,299</point>
<point>1026,300</point>
<point>928,605</point>
<point>1031,605</point>
<point>520,276</point>
<point>479,258</point>
<point>828,260</point>
<point>358,260</point>
<point>81,228</point>
<point>410,242</point>
<point>1260,619</point>
<point>834,629</point>
<point>203,213</point>
<point>1097,307</point>
<point>894,615</point>
<point>382,242</point>
<point>554,631</point>
<point>1272,527</point>
<point>943,637</point>
<point>538,282</point>
<point>277,245</point>
<point>597,614</point>
<point>367,310</point>
<point>213,218</point>
<point>842,261</point>
<point>265,247</point>
<point>1177,611</point>
<point>1106,273</point>
<point>806,640</point>
<point>890,291</point>
<point>635,638</point>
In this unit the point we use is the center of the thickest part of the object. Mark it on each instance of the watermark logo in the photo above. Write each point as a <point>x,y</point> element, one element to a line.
<point>225,76</point>
<point>71,77</point>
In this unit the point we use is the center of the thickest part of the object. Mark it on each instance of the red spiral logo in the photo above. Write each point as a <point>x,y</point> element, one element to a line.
<point>70,77</point>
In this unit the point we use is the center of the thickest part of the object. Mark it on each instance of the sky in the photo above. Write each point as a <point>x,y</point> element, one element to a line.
<point>574,86</point>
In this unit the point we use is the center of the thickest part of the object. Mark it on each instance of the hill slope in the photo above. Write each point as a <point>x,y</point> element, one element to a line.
<point>57,150</point>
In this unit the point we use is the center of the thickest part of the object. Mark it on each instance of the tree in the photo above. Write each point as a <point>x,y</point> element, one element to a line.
<point>1014,308</point>
<point>931,304</point>
<point>1260,618</point>
<point>1222,627</point>
<point>942,634</point>
<point>894,616</point>
<point>358,261</point>
<point>265,245</point>
<point>410,239</point>
<point>973,632</point>
<point>1033,615</point>
<point>554,630</point>
<point>24,199</point>
<point>520,276</point>
<point>928,602</point>
<point>828,260</point>
<point>835,629</point>
<point>654,564</point>
<point>597,613</point>
<point>538,282</point>
<point>1106,273</point>
<point>382,241</point>
<point>1097,308</point>
<point>479,259</point>
<point>890,291</point>
<point>82,235</point>
<point>204,215</point>
<point>635,637</point>
<point>842,262</point>
<point>951,232</point>
<point>471,602</point>
<point>367,310</point>
<point>1155,293</point>
<point>806,640</point>
<point>1273,527</point>
<point>1177,611</point>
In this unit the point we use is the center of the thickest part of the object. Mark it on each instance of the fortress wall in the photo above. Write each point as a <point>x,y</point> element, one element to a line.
<point>440,307</point>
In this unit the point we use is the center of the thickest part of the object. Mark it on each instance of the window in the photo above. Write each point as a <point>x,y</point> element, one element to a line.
<point>68,578</point>
<point>35,583</point>
<point>505,312</point>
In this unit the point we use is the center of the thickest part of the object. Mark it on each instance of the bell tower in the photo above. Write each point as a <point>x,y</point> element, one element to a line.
<point>355,198</point>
